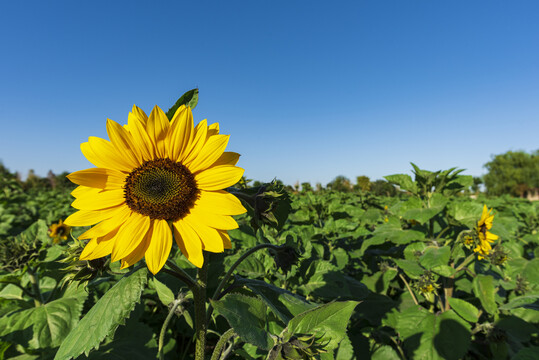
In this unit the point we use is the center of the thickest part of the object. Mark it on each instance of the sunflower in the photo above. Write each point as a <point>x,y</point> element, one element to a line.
<point>485,237</point>
<point>59,232</point>
<point>156,180</point>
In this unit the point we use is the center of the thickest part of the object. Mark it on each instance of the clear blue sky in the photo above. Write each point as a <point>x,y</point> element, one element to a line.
<point>308,90</point>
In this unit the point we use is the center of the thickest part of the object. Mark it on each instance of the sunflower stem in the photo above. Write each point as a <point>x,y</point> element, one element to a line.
<point>175,304</point>
<point>199,295</point>
<point>34,280</point>
<point>223,340</point>
<point>217,294</point>
<point>180,274</point>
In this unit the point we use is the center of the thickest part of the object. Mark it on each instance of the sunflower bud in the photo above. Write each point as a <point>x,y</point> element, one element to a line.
<point>427,285</point>
<point>15,253</point>
<point>498,256</point>
<point>269,204</point>
<point>82,270</point>
<point>284,256</point>
<point>304,347</point>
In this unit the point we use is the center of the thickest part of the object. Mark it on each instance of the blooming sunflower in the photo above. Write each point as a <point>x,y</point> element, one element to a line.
<point>59,231</point>
<point>485,237</point>
<point>156,180</point>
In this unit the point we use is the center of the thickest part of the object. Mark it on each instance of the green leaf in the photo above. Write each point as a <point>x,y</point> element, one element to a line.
<point>422,215</point>
<point>327,322</point>
<point>527,301</point>
<point>163,292</point>
<point>247,316</point>
<point>435,256</point>
<point>463,308</point>
<point>105,316</point>
<point>189,99</point>
<point>429,336</point>
<point>527,353</point>
<point>284,304</point>
<point>385,352</point>
<point>404,181</point>
<point>44,326</point>
<point>411,268</point>
<point>483,287</point>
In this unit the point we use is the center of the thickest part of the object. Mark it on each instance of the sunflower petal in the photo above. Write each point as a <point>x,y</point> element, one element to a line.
<point>215,221</point>
<point>103,154</point>
<point>210,237</point>
<point>90,217</point>
<point>181,133</point>
<point>139,251</point>
<point>160,245</point>
<point>227,158</point>
<point>189,243</point>
<point>108,225</point>
<point>98,178</point>
<point>123,142</point>
<point>130,235</point>
<point>102,200</point>
<point>199,139</point>
<point>158,127</point>
<point>220,202</point>
<point>212,150</point>
<point>218,177</point>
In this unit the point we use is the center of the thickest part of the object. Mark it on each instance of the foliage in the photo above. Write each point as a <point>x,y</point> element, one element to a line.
<point>313,275</point>
<point>513,173</point>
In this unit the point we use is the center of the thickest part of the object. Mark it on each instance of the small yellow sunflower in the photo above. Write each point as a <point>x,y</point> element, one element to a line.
<point>485,237</point>
<point>156,180</point>
<point>59,232</point>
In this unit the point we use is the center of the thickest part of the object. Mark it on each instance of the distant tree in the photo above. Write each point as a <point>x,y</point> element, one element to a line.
<point>340,183</point>
<point>363,183</point>
<point>513,173</point>
<point>383,188</point>
<point>477,181</point>
<point>319,186</point>
<point>306,187</point>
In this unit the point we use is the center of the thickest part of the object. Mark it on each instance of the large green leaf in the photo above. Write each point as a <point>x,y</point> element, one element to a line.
<point>284,304</point>
<point>527,301</point>
<point>435,256</point>
<point>466,310</point>
<point>163,292</point>
<point>247,316</point>
<point>431,337</point>
<point>404,181</point>
<point>327,322</point>
<point>189,99</point>
<point>105,316</point>
<point>44,326</point>
<point>483,287</point>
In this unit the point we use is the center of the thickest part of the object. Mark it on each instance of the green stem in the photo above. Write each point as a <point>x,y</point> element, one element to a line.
<point>464,263</point>
<point>409,289</point>
<point>235,265</point>
<point>223,340</point>
<point>175,304</point>
<point>223,282</point>
<point>34,280</point>
<point>199,295</point>
<point>180,274</point>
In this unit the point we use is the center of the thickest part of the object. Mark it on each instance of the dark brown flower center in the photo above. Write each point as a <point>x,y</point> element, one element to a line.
<point>161,189</point>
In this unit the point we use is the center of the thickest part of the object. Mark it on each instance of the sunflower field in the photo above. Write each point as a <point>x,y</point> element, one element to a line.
<point>429,273</point>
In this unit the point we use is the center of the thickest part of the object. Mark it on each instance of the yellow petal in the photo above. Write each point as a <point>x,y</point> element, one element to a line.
<point>221,222</point>
<point>99,247</point>
<point>213,129</point>
<point>130,235</point>
<point>228,158</point>
<point>211,240</point>
<point>122,140</point>
<point>108,225</point>
<point>226,239</point>
<point>98,178</point>
<point>189,243</point>
<point>139,251</point>
<point>181,133</point>
<point>90,217</point>
<point>197,144</point>
<point>141,139</point>
<point>102,200</point>
<point>158,127</point>
<point>83,191</point>
<point>212,150</point>
<point>220,202</point>
<point>140,114</point>
<point>218,177</point>
<point>160,245</point>
<point>103,154</point>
